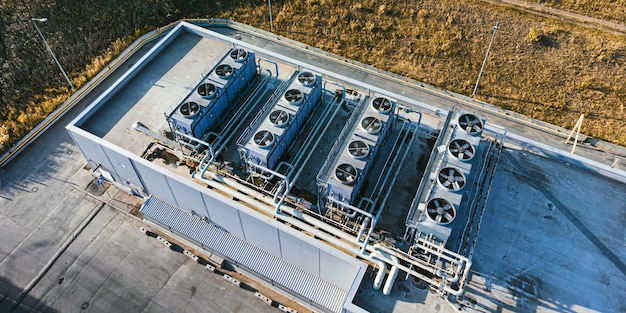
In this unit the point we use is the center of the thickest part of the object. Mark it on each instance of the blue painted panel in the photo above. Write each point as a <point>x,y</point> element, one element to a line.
<point>261,234</point>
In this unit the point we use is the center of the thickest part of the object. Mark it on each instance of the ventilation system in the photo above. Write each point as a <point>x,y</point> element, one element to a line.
<point>451,178</point>
<point>239,55</point>
<point>207,90</point>
<point>224,71</point>
<point>307,79</point>
<point>294,96</point>
<point>346,174</point>
<point>371,125</point>
<point>284,115</point>
<point>440,211</point>
<point>264,139</point>
<point>358,149</point>
<point>471,124</point>
<point>189,109</point>
<point>382,105</point>
<point>279,118</point>
<point>461,149</point>
<point>215,95</point>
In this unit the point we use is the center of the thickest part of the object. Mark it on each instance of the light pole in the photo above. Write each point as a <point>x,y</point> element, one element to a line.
<point>269,2</point>
<point>485,60</point>
<point>43,20</point>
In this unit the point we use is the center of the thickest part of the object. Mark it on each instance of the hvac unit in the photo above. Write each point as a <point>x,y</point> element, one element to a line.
<point>279,118</point>
<point>285,118</point>
<point>358,149</point>
<point>264,139</point>
<point>471,124</point>
<point>440,211</point>
<point>451,178</point>
<point>238,55</point>
<point>346,173</point>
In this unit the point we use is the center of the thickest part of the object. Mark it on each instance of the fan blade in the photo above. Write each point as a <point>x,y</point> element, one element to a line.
<point>446,183</point>
<point>438,218</point>
<point>448,217</point>
<point>469,153</point>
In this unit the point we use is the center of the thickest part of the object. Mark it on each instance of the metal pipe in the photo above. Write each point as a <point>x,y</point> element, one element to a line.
<point>393,273</point>
<point>376,257</point>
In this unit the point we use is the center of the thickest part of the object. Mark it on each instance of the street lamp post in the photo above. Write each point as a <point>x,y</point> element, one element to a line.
<point>43,20</point>
<point>485,60</point>
<point>269,2</point>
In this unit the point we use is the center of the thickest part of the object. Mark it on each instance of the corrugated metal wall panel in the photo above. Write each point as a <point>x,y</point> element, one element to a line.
<point>272,267</point>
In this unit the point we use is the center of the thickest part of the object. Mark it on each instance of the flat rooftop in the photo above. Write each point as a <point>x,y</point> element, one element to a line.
<point>551,240</point>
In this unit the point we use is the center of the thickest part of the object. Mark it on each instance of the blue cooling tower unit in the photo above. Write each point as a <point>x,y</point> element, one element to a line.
<point>217,94</point>
<point>349,162</point>
<point>278,125</point>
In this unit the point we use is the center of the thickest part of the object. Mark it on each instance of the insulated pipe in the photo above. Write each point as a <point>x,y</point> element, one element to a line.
<point>351,207</point>
<point>378,254</point>
<point>315,130</point>
<point>393,273</point>
<point>377,258</point>
<point>200,142</point>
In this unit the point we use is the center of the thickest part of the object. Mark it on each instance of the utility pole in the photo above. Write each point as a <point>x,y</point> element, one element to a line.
<point>43,20</point>
<point>269,2</point>
<point>495,28</point>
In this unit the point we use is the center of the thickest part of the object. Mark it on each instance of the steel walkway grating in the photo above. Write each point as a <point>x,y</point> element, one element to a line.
<point>291,277</point>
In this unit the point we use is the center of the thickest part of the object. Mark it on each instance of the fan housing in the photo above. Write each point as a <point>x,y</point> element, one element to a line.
<point>471,124</point>
<point>346,174</point>
<point>382,105</point>
<point>189,109</point>
<point>294,96</point>
<point>279,118</point>
<point>264,139</point>
<point>451,178</point>
<point>239,55</point>
<point>440,211</point>
<point>207,90</point>
<point>224,71</point>
<point>358,149</point>
<point>307,79</point>
<point>371,125</point>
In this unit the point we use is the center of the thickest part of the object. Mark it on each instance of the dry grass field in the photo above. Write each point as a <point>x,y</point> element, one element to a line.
<point>541,67</point>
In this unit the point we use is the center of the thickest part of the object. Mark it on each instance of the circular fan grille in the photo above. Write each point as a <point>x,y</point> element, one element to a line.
<point>207,90</point>
<point>239,55</point>
<point>461,149</point>
<point>358,149</point>
<point>451,178</point>
<point>346,173</point>
<point>306,78</point>
<point>189,108</point>
<point>224,71</point>
<point>371,125</point>
<point>294,96</point>
<point>382,105</point>
<point>470,123</point>
<point>264,139</point>
<point>441,211</point>
<point>279,118</point>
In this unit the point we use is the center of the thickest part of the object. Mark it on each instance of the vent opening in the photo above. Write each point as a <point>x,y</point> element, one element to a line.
<point>264,139</point>
<point>451,178</point>
<point>346,173</point>
<point>358,149</point>
<point>207,90</point>
<point>471,123</point>
<point>306,79</point>
<point>441,211</point>
<point>461,149</point>
<point>224,71</point>
<point>371,125</point>
<point>382,105</point>
<point>294,96</point>
<point>279,118</point>
<point>239,55</point>
<point>188,109</point>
